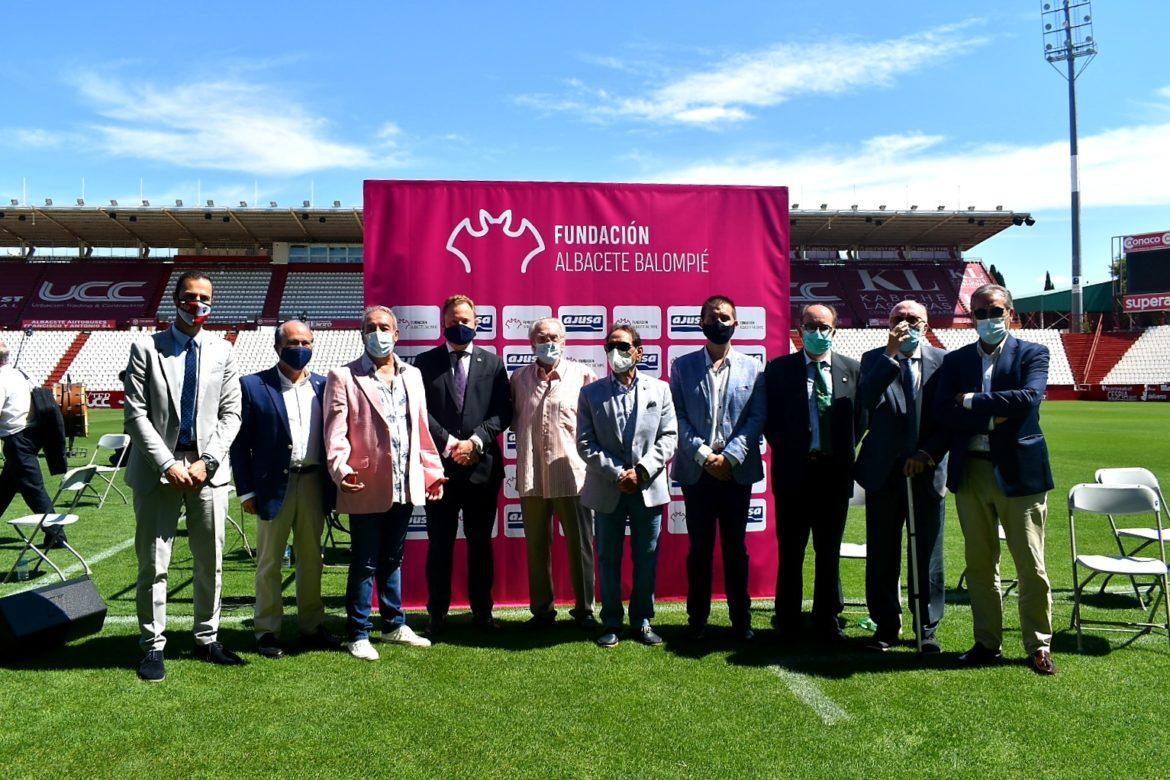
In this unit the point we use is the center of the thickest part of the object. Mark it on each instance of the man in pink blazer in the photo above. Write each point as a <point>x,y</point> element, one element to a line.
<point>381,456</point>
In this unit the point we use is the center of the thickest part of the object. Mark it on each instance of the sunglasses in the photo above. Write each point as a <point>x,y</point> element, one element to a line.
<point>911,319</point>
<point>620,346</point>
<point>989,312</point>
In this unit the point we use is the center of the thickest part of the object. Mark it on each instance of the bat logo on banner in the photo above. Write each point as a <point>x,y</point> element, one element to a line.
<point>526,232</point>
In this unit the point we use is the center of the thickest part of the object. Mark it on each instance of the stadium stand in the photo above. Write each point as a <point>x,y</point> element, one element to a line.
<point>239,294</point>
<point>41,353</point>
<point>953,338</point>
<point>323,296</point>
<point>102,357</point>
<point>1146,362</point>
<point>1059,371</point>
<point>331,348</point>
<point>854,342</point>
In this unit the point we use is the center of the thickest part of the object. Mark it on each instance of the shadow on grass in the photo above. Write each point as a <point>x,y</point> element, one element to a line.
<point>108,651</point>
<point>512,635</point>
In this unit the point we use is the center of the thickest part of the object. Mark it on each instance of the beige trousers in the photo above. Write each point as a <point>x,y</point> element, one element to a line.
<point>301,514</point>
<point>982,505</point>
<point>577,522</point>
<point>156,512</point>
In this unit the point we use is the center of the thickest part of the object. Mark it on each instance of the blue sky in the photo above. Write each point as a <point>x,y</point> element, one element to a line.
<point>852,102</point>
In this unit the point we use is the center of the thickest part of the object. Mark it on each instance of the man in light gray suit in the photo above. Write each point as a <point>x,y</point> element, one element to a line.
<point>182,411</point>
<point>626,432</point>
<point>896,393</point>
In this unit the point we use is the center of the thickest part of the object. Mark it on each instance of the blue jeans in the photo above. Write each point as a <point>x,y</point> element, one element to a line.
<point>377,542</point>
<point>645,525</point>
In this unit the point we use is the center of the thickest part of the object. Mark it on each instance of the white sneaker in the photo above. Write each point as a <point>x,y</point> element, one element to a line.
<point>364,650</point>
<point>404,635</point>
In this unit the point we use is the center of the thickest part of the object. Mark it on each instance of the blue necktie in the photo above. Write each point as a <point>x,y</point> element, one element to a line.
<point>908,389</point>
<point>187,404</point>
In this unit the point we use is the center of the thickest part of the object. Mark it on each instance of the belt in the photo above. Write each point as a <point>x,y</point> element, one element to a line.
<point>304,469</point>
<point>979,454</point>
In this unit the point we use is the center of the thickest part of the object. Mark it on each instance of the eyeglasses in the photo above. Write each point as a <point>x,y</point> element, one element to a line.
<point>620,346</point>
<point>911,319</point>
<point>812,327</point>
<point>989,312</point>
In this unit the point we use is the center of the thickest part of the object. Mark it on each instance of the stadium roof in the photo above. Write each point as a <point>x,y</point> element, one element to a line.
<point>224,228</point>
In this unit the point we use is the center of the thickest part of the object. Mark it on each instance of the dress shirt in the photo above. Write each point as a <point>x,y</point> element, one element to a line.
<point>451,440</point>
<point>304,421</point>
<point>982,442</point>
<point>545,421</point>
<point>625,411</point>
<point>814,414</point>
<point>15,401</point>
<point>396,412</point>
<point>180,340</point>
<point>716,380</point>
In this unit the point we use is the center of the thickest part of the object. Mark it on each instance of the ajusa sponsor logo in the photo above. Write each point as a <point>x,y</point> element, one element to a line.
<point>485,321</point>
<point>513,521</point>
<point>94,292</point>
<point>409,353</point>
<point>757,515</point>
<point>684,323</point>
<point>583,321</point>
<point>510,443</point>
<point>647,319</point>
<point>676,517</point>
<point>495,241</point>
<point>517,357</point>
<point>651,362</point>
<point>417,528</point>
<point>761,487</point>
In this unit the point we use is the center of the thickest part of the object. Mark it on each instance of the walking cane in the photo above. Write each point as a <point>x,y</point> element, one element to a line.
<point>912,533</point>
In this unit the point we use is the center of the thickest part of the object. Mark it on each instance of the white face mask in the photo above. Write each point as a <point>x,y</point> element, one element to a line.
<point>620,362</point>
<point>548,353</point>
<point>380,343</point>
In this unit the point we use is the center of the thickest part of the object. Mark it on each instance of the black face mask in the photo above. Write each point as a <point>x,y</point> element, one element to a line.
<point>459,334</point>
<point>718,332</point>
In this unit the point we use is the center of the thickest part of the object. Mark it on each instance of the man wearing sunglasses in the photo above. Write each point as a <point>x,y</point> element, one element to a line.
<point>988,398</point>
<point>897,388</point>
<point>812,430</point>
<point>626,432</point>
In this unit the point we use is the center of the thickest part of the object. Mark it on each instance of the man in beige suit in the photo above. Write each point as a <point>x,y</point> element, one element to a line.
<point>182,411</point>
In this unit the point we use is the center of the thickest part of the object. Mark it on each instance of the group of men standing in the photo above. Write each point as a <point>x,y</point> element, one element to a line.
<point>379,437</point>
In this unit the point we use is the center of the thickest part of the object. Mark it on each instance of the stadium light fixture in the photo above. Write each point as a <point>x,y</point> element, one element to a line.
<point>243,204</point>
<point>914,207</point>
<point>81,201</point>
<point>178,203</point>
<point>1029,221</point>
<point>13,202</point>
<point>114,203</point>
<point>970,208</point>
<point>48,201</point>
<point>882,207</point>
<point>999,208</point>
<point>942,208</point>
<point>1068,36</point>
<point>271,204</point>
<point>210,204</point>
<point>305,204</point>
<point>824,206</point>
<point>336,204</point>
<point>853,207</point>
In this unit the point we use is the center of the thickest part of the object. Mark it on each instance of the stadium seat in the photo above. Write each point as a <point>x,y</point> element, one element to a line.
<point>854,342</point>
<point>1059,370</point>
<point>1146,362</point>
<point>955,338</point>
<point>1116,501</point>
<point>103,356</point>
<point>239,294</point>
<point>255,349</point>
<point>41,352</point>
<point>323,296</point>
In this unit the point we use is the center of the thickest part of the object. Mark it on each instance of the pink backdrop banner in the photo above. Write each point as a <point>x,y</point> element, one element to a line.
<point>593,255</point>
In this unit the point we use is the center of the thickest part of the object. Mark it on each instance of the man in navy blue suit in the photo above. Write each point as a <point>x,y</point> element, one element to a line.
<point>988,399</point>
<point>279,465</point>
<point>896,390</point>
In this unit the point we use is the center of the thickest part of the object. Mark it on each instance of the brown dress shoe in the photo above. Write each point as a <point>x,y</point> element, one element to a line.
<point>1042,663</point>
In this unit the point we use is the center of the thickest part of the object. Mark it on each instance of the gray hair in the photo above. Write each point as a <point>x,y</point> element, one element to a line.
<point>994,289</point>
<point>280,335</point>
<point>378,308</point>
<point>3,353</point>
<point>919,304</point>
<point>542,321</point>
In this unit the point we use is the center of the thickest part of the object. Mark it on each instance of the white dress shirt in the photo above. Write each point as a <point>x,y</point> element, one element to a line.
<point>15,401</point>
<point>717,380</point>
<point>451,440</point>
<point>304,421</point>
<point>982,442</point>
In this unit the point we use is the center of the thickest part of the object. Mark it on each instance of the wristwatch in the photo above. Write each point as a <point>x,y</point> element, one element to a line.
<point>212,463</point>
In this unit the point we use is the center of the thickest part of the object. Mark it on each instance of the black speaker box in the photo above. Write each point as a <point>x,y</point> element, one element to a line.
<point>50,615</point>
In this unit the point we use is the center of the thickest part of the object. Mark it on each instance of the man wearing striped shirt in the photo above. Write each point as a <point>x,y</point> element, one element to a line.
<point>550,473</point>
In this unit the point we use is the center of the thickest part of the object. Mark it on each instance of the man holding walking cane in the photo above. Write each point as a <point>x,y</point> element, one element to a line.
<point>902,485</point>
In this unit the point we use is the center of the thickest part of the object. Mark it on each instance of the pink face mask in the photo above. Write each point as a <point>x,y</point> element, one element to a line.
<point>194,312</point>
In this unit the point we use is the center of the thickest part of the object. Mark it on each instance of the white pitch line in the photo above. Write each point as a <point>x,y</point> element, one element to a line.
<point>811,695</point>
<point>75,568</point>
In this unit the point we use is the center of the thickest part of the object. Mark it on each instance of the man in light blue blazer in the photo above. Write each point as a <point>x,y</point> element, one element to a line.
<point>719,399</point>
<point>626,432</point>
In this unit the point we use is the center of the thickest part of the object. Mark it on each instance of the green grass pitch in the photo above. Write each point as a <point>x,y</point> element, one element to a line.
<point>554,705</point>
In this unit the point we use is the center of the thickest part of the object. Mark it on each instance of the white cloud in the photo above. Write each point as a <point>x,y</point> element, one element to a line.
<point>226,125</point>
<point>1121,167</point>
<point>33,138</point>
<point>727,91</point>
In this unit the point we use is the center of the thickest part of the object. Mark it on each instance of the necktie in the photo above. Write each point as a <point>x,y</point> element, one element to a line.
<point>187,404</point>
<point>910,392</point>
<point>824,404</point>
<point>460,370</point>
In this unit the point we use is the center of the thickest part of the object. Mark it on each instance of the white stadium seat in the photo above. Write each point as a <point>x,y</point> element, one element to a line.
<point>239,294</point>
<point>101,358</point>
<point>331,348</point>
<point>41,354</point>
<point>1147,361</point>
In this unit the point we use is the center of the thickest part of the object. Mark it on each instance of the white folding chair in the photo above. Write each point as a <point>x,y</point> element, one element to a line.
<point>76,481</point>
<point>112,442</point>
<point>39,523</point>
<point>1145,536</point>
<point>1117,501</point>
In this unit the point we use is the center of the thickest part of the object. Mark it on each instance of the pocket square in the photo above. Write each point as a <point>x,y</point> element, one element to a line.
<point>652,405</point>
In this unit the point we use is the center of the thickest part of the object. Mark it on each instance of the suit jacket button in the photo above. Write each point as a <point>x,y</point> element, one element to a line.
<point>286,471</point>
<point>290,446</point>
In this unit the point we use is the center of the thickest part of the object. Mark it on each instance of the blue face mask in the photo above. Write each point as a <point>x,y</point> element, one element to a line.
<point>912,342</point>
<point>296,357</point>
<point>459,334</point>
<point>379,343</point>
<point>992,330</point>
<point>817,343</point>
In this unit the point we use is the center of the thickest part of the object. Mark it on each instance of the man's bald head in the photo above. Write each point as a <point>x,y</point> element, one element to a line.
<point>294,333</point>
<point>907,311</point>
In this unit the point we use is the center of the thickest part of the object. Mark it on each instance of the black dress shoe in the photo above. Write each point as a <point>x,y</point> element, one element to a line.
<point>648,636</point>
<point>321,639</point>
<point>269,647</point>
<point>437,625</point>
<point>697,631</point>
<point>979,655</point>
<point>880,643</point>
<point>744,634</point>
<point>930,646</point>
<point>485,623</point>
<point>540,622</point>
<point>151,667</point>
<point>608,639</point>
<point>587,622</point>
<point>216,653</point>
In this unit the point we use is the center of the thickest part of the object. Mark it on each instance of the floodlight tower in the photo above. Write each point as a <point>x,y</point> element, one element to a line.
<point>1068,37</point>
